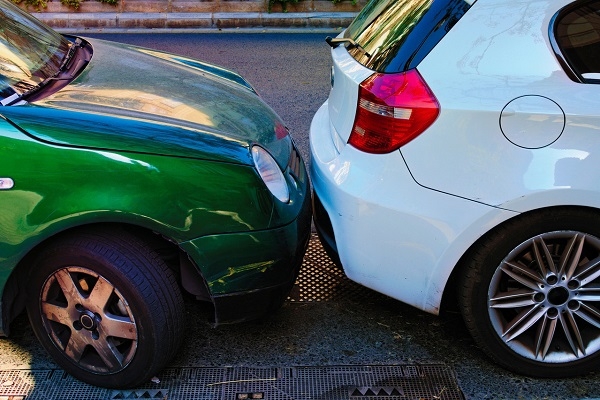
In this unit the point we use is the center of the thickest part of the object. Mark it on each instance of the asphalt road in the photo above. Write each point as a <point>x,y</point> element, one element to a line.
<point>291,72</point>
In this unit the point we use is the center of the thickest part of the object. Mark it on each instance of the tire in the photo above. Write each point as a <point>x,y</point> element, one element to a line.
<point>105,307</point>
<point>530,293</point>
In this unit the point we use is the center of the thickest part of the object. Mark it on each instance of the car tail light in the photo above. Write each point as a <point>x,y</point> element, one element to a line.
<point>392,110</point>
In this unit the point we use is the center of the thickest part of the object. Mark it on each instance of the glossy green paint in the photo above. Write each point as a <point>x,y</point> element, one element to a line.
<point>162,142</point>
<point>133,99</point>
<point>261,258</point>
<point>214,205</point>
<point>90,130</point>
<point>59,187</point>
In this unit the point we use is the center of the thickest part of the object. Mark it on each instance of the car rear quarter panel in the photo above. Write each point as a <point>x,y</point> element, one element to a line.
<point>393,235</point>
<point>479,178</point>
<point>500,51</point>
<point>347,75</point>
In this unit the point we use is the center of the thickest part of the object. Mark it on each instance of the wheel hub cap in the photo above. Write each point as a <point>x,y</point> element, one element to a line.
<point>558,296</point>
<point>89,320</point>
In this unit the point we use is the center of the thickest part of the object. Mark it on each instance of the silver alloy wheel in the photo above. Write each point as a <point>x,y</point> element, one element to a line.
<point>89,320</point>
<point>542,298</point>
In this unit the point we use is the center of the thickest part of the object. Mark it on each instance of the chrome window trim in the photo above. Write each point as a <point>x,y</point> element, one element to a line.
<point>556,48</point>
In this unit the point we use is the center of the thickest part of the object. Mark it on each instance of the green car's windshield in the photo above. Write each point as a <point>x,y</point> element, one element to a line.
<point>30,52</point>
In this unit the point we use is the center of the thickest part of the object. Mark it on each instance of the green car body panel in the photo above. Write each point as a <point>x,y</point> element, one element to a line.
<point>161,142</point>
<point>133,99</point>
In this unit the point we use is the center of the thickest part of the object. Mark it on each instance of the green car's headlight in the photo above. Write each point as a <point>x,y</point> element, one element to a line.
<point>270,173</point>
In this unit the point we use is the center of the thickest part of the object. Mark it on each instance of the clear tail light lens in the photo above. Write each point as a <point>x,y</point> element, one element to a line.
<point>392,110</point>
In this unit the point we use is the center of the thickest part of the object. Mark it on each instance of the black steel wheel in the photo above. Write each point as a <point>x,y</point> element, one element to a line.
<point>106,308</point>
<point>531,293</point>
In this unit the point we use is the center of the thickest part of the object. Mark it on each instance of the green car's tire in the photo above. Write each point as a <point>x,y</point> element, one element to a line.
<point>106,307</point>
<point>530,293</point>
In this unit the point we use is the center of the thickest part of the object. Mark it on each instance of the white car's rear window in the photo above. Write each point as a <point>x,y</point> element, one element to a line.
<point>397,34</point>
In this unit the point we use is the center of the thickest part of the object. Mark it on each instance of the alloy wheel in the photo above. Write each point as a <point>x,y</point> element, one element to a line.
<point>542,298</point>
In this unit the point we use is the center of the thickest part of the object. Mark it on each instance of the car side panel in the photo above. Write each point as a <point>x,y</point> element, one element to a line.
<point>487,74</point>
<point>56,188</point>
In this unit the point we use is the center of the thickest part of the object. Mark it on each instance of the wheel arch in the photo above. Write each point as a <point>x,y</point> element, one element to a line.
<point>449,296</point>
<point>188,275</point>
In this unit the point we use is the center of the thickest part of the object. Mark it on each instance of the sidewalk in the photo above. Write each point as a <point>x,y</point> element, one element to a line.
<point>174,15</point>
<point>175,22</point>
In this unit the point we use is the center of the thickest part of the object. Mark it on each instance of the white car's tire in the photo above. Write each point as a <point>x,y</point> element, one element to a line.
<point>530,293</point>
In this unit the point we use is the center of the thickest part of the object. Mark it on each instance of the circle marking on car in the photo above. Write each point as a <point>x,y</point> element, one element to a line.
<point>532,121</point>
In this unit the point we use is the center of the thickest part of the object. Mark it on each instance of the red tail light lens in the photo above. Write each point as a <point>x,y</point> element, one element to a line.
<point>392,110</point>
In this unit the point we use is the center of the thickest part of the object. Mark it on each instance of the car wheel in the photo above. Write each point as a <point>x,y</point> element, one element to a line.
<point>105,307</point>
<point>530,293</point>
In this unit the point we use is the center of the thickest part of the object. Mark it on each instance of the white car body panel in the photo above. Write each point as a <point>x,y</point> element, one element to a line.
<point>425,229</point>
<point>348,74</point>
<point>403,220</point>
<point>495,202</point>
<point>558,172</point>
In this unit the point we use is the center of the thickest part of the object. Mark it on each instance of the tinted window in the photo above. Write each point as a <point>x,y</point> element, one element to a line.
<point>577,34</point>
<point>398,34</point>
<point>30,52</point>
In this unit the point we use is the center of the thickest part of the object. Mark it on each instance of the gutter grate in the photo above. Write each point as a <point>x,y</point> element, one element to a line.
<point>397,382</point>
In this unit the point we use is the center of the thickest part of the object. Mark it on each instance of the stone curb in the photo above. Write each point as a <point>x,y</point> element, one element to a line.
<point>128,21</point>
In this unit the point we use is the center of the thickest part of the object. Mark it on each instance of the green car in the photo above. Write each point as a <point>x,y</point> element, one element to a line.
<point>129,177</point>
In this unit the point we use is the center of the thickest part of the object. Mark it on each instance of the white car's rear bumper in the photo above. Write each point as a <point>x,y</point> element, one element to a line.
<point>390,233</point>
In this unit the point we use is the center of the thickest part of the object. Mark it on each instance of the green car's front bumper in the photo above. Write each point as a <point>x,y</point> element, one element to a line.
<point>249,274</point>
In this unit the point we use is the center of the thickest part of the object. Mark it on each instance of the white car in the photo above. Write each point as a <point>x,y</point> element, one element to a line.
<point>459,152</point>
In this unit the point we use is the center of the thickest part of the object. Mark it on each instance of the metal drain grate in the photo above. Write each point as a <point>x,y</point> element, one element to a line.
<point>321,280</point>
<point>400,382</point>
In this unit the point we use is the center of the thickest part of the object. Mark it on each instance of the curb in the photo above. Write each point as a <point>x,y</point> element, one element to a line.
<point>196,22</point>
